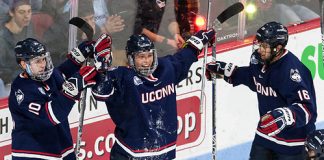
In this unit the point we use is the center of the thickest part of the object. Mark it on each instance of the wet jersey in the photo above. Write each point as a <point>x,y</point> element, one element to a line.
<point>144,108</point>
<point>285,83</point>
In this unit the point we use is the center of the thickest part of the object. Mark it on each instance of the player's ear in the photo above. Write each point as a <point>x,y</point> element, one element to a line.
<point>23,64</point>
<point>279,48</point>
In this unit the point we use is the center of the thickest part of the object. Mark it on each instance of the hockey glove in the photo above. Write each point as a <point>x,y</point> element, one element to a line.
<point>79,54</point>
<point>103,55</point>
<point>219,68</point>
<point>314,144</point>
<point>201,38</point>
<point>275,121</point>
<point>79,81</point>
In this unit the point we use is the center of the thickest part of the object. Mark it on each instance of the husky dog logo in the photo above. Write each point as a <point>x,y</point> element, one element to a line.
<point>137,81</point>
<point>19,96</point>
<point>295,76</point>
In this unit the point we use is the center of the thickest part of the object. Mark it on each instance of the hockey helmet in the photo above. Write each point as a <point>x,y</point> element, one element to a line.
<point>32,51</point>
<point>272,34</point>
<point>139,43</point>
<point>315,142</point>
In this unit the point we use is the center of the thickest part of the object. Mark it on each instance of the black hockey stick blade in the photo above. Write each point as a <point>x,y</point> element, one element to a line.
<point>230,12</point>
<point>83,26</point>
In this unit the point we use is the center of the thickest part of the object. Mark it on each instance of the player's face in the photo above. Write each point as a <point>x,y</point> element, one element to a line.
<point>22,15</point>
<point>38,65</point>
<point>143,60</point>
<point>265,51</point>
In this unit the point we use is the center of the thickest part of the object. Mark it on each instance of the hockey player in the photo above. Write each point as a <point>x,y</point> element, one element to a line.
<point>41,100</point>
<point>285,91</point>
<point>315,145</point>
<point>141,98</point>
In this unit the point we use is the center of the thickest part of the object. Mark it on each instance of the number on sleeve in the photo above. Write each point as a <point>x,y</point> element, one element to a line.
<point>34,108</point>
<point>303,95</point>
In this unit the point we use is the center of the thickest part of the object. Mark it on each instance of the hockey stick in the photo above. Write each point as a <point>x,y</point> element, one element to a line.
<point>88,30</point>
<point>221,18</point>
<point>322,26</point>
<point>83,26</point>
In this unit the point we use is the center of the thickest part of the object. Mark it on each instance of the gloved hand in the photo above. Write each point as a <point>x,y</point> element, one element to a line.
<point>219,68</point>
<point>314,144</point>
<point>276,120</point>
<point>103,55</point>
<point>82,52</point>
<point>201,38</point>
<point>79,81</point>
<point>104,88</point>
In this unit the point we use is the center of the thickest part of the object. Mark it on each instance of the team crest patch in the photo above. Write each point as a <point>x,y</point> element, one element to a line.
<point>41,90</point>
<point>19,96</point>
<point>295,76</point>
<point>137,81</point>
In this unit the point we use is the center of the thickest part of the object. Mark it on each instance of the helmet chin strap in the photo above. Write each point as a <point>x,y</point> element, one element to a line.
<point>274,53</point>
<point>28,70</point>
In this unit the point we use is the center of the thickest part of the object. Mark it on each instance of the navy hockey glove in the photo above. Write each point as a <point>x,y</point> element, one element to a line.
<point>219,68</point>
<point>275,121</point>
<point>79,54</point>
<point>79,81</point>
<point>314,144</point>
<point>201,38</point>
<point>103,55</point>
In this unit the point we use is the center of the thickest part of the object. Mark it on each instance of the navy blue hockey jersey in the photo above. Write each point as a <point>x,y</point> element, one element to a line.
<point>39,111</point>
<point>144,109</point>
<point>285,83</point>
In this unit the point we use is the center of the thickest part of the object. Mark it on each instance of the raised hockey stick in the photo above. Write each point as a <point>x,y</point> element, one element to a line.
<point>83,26</point>
<point>88,30</point>
<point>216,24</point>
<point>322,26</point>
<point>221,18</point>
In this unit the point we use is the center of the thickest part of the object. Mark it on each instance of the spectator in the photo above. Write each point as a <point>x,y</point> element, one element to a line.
<point>186,12</point>
<point>56,37</point>
<point>36,4</point>
<point>116,17</point>
<point>15,29</point>
<point>156,19</point>
<point>109,23</point>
